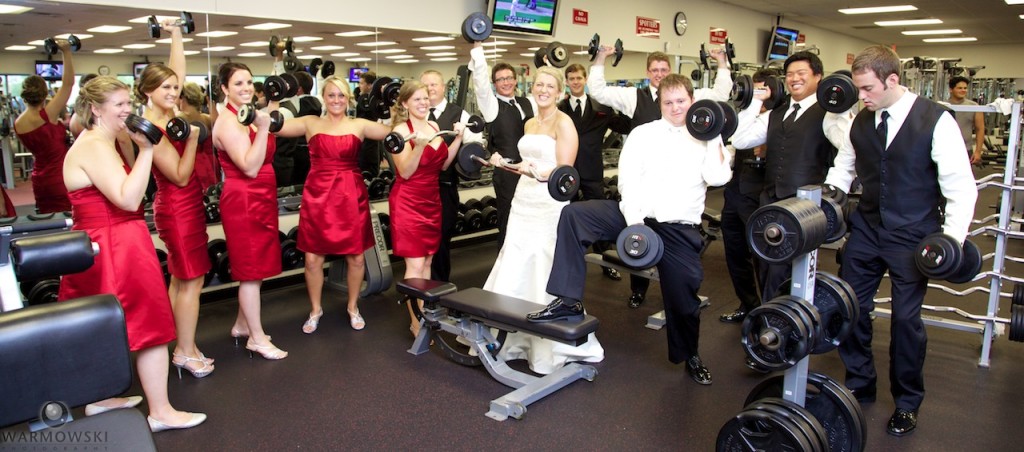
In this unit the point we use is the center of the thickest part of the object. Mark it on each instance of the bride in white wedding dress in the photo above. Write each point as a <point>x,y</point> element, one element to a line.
<point>524,261</point>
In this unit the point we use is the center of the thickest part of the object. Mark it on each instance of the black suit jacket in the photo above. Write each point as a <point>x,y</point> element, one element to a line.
<point>591,128</point>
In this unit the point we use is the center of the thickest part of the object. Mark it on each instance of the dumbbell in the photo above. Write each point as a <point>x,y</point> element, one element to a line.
<point>489,200</point>
<point>476,27</point>
<point>185,22</point>
<point>293,234</point>
<point>837,93</point>
<point>277,45</point>
<point>556,53</point>
<point>383,95</point>
<point>474,219</point>
<point>212,212</point>
<point>777,95</point>
<point>490,215</point>
<point>387,175</point>
<point>136,123</point>
<point>42,292</point>
<point>217,250</point>
<point>178,129</point>
<point>742,91</point>
<point>247,114</point>
<point>639,246</point>
<point>51,47</point>
<point>376,187</point>
<point>291,257</point>
<point>460,223</point>
<point>473,204</point>
<point>279,87</point>
<point>939,256</point>
<point>707,119</point>
<point>595,47</point>
<point>161,256</point>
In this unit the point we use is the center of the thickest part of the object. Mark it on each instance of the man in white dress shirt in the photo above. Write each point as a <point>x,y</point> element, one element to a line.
<point>911,159</point>
<point>664,173</point>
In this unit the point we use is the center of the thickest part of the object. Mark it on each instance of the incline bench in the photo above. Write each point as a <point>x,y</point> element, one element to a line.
<point>470,314</point>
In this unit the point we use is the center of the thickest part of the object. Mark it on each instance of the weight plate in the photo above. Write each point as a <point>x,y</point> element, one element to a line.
<point>557,54</point>
<point>808,314</point>
<point>777,96</point>
<point>44,292</point>
<point>831,404</point>
<point>837,93</point>
<point>1017,323</point>
<point>705,119</point>
<point>834,216</point>
<point>465,164</point>
<point>971,265</point>
<point>818,436</point>
<point>594,47</point>
<point>938,256</point>
<point>781,231</point>
<point>564,183</point>
<point>538,57</point>
<point>755,430</point>
<point>639,246</point>
<point>1018,294</point>
<point>731,120</point>
<point>774,336</point>
<point>476,27</point>
<point>742,91</point>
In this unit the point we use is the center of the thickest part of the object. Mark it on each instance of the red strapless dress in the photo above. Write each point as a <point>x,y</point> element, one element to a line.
<point>249,215</point>
<point>335,213</point>
<point>181,223</point>
<point>48,145</point>
<point>126,267</point>
<point>416,206</point>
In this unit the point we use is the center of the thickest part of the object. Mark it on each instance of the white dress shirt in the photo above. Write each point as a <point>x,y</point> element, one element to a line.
<point>468,136</point>
<point>752,127</point>
<point>623,99</point>
<point>582,102</point>
<point>956,180</point>
<point>486,98</point>
<point>664,173</point>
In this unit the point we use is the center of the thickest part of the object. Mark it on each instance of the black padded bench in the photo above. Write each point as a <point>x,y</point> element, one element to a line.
<point>471,313</point>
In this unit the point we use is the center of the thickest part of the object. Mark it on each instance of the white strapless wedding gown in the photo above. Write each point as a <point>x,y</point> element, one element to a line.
<point>525,260</point>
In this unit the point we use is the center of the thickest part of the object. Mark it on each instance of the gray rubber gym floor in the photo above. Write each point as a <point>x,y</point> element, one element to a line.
<point>343,389</point>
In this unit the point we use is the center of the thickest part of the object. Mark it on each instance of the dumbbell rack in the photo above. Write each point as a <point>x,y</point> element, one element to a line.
<point>1002,232</point>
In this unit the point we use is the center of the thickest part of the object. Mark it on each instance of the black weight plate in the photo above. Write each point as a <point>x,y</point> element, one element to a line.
<point>475,124</point>
<point>1018,294</point>
<point>293,234</point>
<point>777,95</point>
<point>808,314</point>
<point>564,183</point>
<point>705,119</point>
<point>835,220</point>
<point>154,27</point>
<point>830,403</point>
<point>274,40</point>
<point>618,52</point>
<point>639,246</point>
<point>538,57</point>
<point>292,84</point>
<point>204,132</point>
<point>468,167</point>
<point>557,54</point>
<point>137,123</point>
<point>938,256</point>
<point>594,47</point>
<point>742,91</point>
<point>390,92</point>
<point>1017,323</point>
<point>971,264</point>
<point>837,93</point>
<point>756,430</point>
<point>784,334</point>
<point>476,27</point>
<point>802,430</point>
<point>731,120</point>
<point>188,25</point>
<point>291,257</point>
<point>223,266</point>
<point>178,129</point>
<point>838,308</point>
<point>327,70</point>
<point>781,231</point>
<point>275,88</point>
<point>820,437</point>
<point>44,292</point>
<point>394,143</point>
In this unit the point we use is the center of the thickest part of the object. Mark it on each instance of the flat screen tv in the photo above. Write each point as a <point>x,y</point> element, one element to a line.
<point>50,70</point>
<point>137,68</point>
<point>354,73</point>
<point>780,42</point>
<point>525,16</point>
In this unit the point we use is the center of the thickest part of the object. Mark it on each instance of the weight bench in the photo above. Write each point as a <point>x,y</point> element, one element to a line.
<point>470,314</point>
<point>611,259</point>
<point>59,356</point>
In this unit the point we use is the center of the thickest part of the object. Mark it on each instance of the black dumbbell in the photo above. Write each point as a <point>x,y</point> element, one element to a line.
<point>742,91</point>
<point>490,215</point>
<point>639,246</point>
<point>474,219</point>
<point>387,175</point>
<point>185,22</point>
<point>327,70</point>
<point>161,256</point>
<point>51,47</point>
<point>293,234</point>
<point>277,45</point>
<point>595,46</point>
<point>460,223</point>
<point>212,212</point>
<point>470,160</point>
<point>376,187</point>
<point>777,95</point>
<point>837,93</point>
<point>706,119</point>
<point>473,204</point>
<point>247,114</point>
<point>178,129</point>
<point>939,256</point>
<point>314,66</point>
<point>279,87</point>
<point>564,183</point>
<point>136,123</point>
<point>43,292</point>
<point>217,250</point>
<point>291,257</point>
<point>476,27</point>
<point>489,200</point>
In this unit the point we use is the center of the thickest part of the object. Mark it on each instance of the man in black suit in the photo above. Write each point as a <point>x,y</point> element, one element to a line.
<point>370,153</point>
<point>592,123</point>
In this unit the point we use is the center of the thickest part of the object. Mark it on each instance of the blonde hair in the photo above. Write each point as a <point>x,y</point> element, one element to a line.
<point>193,94</point>
<point>151,78</point>
<point>94,94</point>
<point>548,70</point>
<point>405,93</point>
<point>342,85</point>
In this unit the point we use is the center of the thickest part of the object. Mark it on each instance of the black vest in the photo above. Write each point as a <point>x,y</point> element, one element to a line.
<point>901,184</point>
<point>647,110</point>
<point>799,155</point>
<point>445,121</point>
<point>507,128</point>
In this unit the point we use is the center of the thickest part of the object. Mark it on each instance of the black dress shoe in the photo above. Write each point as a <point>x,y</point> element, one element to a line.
<point>864,395</point>
<point>736,316</point>
<point>698,371</point>
<point>636,299</point>
<point>612,274</point>
<point>902,422</point>
<point>754,366</point>
<point>560,309</point>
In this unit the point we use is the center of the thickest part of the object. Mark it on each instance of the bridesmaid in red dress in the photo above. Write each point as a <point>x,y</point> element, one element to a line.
<point>335,214</point>
<point>106,197</point>
<point>6,207</point>
<point>178,204</point>
<point>41,133</point>
<point>248,203</point>
<point>415,199</point>
<point>206,169</point>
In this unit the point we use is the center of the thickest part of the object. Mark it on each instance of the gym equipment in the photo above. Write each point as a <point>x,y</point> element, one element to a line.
<point>394,142</point>
<point>836,304</point>
<point>773,424</point>
<point>136,123</point>
<point>556,53</point>
<point>277,45</point>
<point>731,120</point>
<point>777,334</point>
<point>777,95</point>
<point>33,252</point>
<point>279,87</point>
<point>247,114</point>
<point>314,66</point>
<point>837,93</point>
<point>706,119</point>
<point>217,250</point>
<point>781,231</point>
<point>51,47</point>
<point>639,246</point>
<point>595,46</point>
<point>291,257</point>
<point>327,70</point>
<point>564,183</point>
<point>377,277</point>
<point>383,95</point>
<point>472,157</point>
<point>471,313</point>
<point>1018,295</point>
<point>476,27</point>
<point>178,129</point>
<point>939,256</point>
<point>185,22</point>
<point>742,91</point>
<point>835,217</point>
<point>212,212</point>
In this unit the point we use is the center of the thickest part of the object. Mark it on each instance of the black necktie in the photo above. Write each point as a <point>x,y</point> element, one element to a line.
<point>578,110</point>
<point>431,116</point>
<point>883,129</point>
<point>792,117</point>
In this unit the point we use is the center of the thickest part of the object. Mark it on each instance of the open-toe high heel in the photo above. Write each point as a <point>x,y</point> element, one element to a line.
<point>356,320</point>
<point>312,323</point>
<point>238,334</point>
<point>268,351</point>
<point>181,362</point>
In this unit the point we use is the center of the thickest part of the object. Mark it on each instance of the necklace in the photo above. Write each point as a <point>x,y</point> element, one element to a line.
<point>542,119</point>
